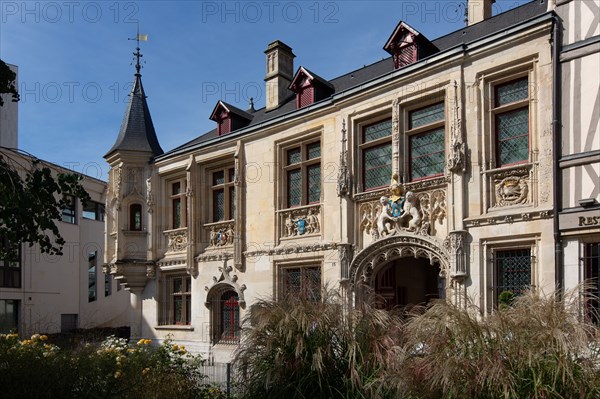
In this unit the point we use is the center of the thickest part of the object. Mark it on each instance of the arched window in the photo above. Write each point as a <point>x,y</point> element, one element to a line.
<point>227,320</point>
<point>135,217</point>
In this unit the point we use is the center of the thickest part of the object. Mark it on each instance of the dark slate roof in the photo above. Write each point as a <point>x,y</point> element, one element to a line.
<point>360,76</point>
<point>137,131</point>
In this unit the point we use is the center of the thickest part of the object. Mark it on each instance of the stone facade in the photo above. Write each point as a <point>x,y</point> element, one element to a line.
<point>469,222</point>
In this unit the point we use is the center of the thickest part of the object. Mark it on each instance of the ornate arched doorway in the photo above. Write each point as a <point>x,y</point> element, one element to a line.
<point>407,281</point>
<point>401,270</point>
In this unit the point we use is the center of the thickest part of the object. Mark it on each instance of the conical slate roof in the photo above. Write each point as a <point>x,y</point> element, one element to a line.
<point>137,131</point>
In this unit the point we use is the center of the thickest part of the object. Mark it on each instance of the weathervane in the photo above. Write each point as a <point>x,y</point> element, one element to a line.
<point>137,53</point>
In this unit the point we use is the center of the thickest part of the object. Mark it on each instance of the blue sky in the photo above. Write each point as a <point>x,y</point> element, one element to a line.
<point>75,60</point>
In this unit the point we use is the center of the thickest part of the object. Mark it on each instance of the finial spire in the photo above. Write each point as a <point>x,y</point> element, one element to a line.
<point>137,53</point>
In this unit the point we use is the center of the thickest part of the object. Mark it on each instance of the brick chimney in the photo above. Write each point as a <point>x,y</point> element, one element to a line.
<point>479,10</point>
<point>280,71</point>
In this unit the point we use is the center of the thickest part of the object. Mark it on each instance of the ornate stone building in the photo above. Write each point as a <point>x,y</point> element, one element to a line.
<point>425,175</point>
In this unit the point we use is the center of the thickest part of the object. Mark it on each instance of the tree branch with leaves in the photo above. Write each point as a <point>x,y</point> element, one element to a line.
<point>32,196</point>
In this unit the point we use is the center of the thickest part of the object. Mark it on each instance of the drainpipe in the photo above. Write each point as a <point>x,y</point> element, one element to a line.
<point>557,149</point>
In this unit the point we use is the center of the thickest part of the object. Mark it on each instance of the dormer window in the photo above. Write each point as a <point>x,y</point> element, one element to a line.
<point>309,88</point>
<point>408,46</point>
<point>229,118</point>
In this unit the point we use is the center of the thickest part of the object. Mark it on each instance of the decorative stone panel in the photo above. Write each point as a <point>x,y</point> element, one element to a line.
<point>220,234</point>
<point>511,186</point>
<point>177,240</point>
<point>302,221</point>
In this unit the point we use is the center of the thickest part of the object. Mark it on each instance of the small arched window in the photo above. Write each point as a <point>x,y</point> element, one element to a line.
<point>135,217</point>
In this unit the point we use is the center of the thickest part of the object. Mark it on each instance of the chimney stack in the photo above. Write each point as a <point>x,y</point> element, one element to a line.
<point>280,71</point>
<point>478,10</point>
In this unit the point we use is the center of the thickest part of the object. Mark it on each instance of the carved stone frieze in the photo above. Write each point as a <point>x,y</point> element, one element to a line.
<point>150,271</point>
<point>213,256</point>
<point>149,195</point>
<point>292,249</point>
<point>512,218</point>
<point>177,240</point>
<point>300,221</point>
<point>220,234</point>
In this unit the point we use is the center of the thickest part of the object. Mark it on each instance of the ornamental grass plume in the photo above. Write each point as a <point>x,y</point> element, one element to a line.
<point>537,347</point>
<point>299,348</point>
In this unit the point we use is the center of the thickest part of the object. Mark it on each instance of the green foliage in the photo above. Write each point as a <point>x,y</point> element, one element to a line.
<point>506,298</point>
<point>7,83</point>
<point>297,348</point>
<point>35,369</point>
<point>536,348</point>
<point>31,205</point>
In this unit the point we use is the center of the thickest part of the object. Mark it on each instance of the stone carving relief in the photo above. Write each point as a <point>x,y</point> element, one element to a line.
<point>454,244</point>
<point>177,240</point>
<point>300,222</point>
<point>149,194</point>
<point>227,278</point>
<point>343,180</point>
<point>457,154</point>
<point>221,234</point>
<point>398,211</point>
<point>394,247</point>
<point>511,190</point>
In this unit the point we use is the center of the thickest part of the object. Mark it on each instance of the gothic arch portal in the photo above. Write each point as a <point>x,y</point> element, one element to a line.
<point>394,247</point>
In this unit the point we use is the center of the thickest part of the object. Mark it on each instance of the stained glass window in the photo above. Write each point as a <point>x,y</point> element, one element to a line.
<point>511,92</point>
<point>223,194</point>
<point>427,115</point>
<point>303,174</point>
<point>377,154</point>
<point>512,122</point>
<point>426,148</point>
<point>301,282</point>
<point>427,154</point>
<point>513,269</point>
<point>181,300</point>
<point>513,136</point>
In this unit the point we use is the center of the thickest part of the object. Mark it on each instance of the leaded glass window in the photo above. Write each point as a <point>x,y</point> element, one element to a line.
<point>511,110</point>
<point>178,218</point>
<point>377,154</point>
<point>181,300</point>
<point>301,282</point>
<point>513,271</point>
<point>592,280</point>
<point>223,194</point>
<point>303,174</point>
<point>426,142</point>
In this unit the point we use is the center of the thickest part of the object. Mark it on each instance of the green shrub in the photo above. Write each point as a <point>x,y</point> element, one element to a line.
<point>35,369</point>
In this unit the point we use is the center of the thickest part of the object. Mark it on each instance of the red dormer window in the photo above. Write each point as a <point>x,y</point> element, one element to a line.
<point>224,123</point>
<point>306,94</point>
<point>229,118</point>
<point>309,88</point>
<point>407,46</point>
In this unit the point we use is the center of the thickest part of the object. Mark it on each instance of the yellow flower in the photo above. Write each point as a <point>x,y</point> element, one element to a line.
<point>147,341</point>
<point>145,371</point>
<point>130,350</point>
<point>118,374</point>
<point>26,342</point>
<point>43,337</point>
<point>141,342</point>
<point>176,347</point>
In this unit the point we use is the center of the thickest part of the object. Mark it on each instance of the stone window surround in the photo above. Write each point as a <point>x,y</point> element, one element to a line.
<point>488,265</point>
<point>279,265</point>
